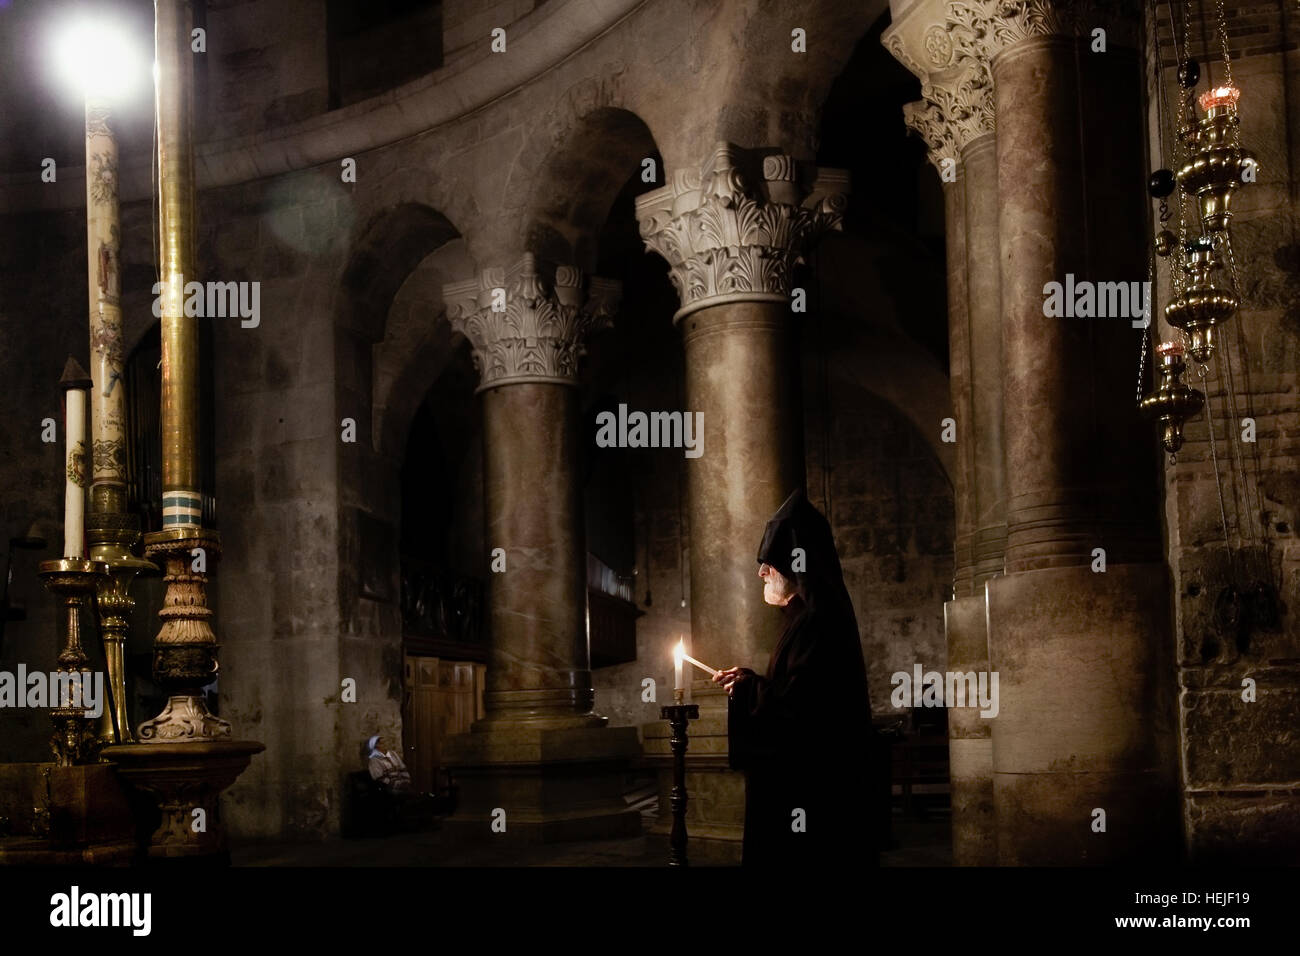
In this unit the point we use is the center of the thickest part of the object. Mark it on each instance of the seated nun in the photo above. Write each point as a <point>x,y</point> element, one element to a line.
<point>387,767</point>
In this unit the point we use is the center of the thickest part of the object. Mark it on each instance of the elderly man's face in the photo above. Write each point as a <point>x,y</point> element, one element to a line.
<point>777,588</point>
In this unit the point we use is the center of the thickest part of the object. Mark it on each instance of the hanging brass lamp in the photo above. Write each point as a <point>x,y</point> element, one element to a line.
<point>1173,402</point>
<point>1217,165</point>
<point>1202,305</point>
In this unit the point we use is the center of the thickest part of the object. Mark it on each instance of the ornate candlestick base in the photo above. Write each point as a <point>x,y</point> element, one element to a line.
<point>185,779</point>
<point>112,536</point>
<point>678,716</point>
<point>75,581</point>
<point>185,651</point>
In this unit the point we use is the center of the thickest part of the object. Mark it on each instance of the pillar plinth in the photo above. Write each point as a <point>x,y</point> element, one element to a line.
<point>1086,717</point>
<point>970,739</point>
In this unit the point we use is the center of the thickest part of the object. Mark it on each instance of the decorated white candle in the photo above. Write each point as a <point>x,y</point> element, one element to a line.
<point>678,652</point>
<point>107,399</point>
<point>75,383</point>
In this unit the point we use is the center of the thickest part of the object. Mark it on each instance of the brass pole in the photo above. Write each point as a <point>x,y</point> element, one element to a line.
<point>185,650</point>
<point>174,100</point>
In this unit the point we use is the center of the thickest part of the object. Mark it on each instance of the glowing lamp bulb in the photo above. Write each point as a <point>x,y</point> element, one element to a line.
<point>99,58</point>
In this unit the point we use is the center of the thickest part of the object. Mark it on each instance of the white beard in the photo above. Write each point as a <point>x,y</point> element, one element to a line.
<point>777,589</point>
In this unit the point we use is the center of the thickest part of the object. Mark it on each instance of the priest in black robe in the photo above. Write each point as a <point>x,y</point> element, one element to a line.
<point>801,732</point>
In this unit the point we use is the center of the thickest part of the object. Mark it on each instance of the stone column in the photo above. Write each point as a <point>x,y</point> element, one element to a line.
<point>732,231</point>
<point>979,160</point>
<point>1085,722</point>
<point>956,121</point>
<point>541,754</point>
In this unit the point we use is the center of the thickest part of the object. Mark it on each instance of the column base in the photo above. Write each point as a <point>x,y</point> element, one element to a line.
<point>1086,721</point>
<point>527,784</point>
<point>970,744</point>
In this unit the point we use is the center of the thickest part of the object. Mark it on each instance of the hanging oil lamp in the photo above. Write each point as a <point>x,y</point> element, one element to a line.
<point>1216,165</point>
<point>1201,305</point>
<point>1173,402</point>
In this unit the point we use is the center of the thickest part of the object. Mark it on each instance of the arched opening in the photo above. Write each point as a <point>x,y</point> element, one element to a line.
<point>443,570</point>
<point>391,345</point>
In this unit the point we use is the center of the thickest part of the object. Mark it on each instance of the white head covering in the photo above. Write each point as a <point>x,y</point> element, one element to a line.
<point>370,746</point>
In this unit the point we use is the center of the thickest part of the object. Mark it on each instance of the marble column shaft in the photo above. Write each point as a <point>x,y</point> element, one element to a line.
<point>741,374</point>
<point>539,665</point>
<point>959,376</point>
<point>983,283</point>
<point>1072,431</point>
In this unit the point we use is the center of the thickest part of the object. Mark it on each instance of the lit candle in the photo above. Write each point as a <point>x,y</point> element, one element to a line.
<point>704,667</point>
<point>75,383</point>
<point>678,653</point>
<point>1219,96</point>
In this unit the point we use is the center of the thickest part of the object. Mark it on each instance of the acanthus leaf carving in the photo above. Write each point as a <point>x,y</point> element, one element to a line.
<point>728,238</point>
<point>540,334</point>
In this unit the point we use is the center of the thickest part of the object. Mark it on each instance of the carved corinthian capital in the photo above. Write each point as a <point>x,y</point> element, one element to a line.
<point>956,83</point>
<point>927,120</point>
<point>526,325</point>
<point>731,236</point>
<point>953,113</point>
<point>996,25</point>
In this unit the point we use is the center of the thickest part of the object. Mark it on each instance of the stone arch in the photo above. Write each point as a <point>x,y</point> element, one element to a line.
<point>769,95</point>
<point>384,252</point>
<point>417,345</point>
<point>594,154</point>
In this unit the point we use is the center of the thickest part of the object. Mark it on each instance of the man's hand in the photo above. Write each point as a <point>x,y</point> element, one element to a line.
<point>730,677</point>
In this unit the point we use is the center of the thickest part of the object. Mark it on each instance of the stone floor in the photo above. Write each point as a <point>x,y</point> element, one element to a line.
<point>920,842</point>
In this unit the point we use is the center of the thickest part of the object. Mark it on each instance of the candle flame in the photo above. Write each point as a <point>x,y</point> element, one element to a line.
<point>1219,96</point>
<point>679,651</point>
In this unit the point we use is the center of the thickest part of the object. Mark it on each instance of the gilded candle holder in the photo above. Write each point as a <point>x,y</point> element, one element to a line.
<point>74,581</point>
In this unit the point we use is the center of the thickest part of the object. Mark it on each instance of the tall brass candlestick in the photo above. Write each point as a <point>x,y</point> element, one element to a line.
<point>111,532</point>
<point>185,650</point>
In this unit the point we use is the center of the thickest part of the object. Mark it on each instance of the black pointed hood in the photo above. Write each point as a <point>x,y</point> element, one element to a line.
<point>797,524</point>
